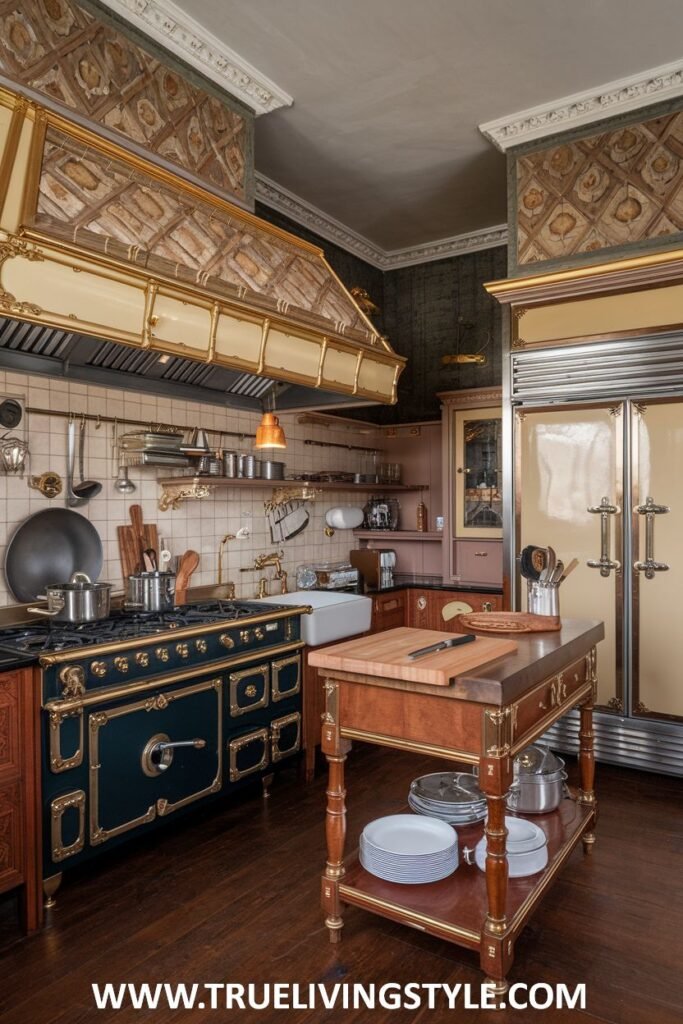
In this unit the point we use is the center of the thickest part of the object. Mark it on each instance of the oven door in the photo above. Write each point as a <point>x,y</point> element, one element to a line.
<point>153,756</point>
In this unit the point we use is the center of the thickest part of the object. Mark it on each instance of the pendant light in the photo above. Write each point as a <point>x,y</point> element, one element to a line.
<point>269,433</point>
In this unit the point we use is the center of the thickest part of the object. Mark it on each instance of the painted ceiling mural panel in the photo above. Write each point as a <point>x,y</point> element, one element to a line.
<point>620,187</point>
<point>105,205</point>
<point>59,49</point>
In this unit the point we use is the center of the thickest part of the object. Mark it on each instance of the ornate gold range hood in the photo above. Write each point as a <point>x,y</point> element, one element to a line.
<point>98,242</point>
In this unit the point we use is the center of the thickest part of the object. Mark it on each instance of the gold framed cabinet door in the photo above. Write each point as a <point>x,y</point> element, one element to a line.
<point>657,562</point>
<point>568,459</point>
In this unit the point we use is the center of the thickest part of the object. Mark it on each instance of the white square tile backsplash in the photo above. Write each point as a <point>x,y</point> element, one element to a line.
<point>196,524</point>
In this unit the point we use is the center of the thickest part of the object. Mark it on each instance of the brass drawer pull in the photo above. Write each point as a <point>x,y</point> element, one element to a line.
<point>481,554</point>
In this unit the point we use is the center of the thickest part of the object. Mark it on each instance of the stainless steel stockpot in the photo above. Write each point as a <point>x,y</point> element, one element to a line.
<point>539,781</point>
<point>79,600</point>
<point>150,591</point>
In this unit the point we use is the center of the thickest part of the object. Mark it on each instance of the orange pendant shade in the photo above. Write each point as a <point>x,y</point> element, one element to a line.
<point>269,433</point>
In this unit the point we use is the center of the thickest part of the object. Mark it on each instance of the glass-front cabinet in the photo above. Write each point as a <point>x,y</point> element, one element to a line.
<point>473,475</point>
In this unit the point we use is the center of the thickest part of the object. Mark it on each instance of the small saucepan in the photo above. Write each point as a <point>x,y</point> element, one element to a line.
<point>79,600</point>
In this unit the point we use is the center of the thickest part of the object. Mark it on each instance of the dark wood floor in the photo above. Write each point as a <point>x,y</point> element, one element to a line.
<point>232,894</point>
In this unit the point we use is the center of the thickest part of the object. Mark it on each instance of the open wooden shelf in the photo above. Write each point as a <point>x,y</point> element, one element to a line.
<point>337,485</point>
<point>455,907</point>
<point>398,535</point>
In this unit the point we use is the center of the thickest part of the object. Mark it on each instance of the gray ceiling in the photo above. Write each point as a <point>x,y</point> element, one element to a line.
<point>388,94</point>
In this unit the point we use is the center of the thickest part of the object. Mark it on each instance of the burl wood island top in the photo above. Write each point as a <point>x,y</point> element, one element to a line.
<point>473,711</point>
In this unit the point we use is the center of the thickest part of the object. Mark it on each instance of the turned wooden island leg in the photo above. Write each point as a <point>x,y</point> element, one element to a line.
<point>587,759</point>
<point>495,777</point>
<point>335,750</point>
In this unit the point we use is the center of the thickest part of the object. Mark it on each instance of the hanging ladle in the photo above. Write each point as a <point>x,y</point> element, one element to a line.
<point>85,489</point>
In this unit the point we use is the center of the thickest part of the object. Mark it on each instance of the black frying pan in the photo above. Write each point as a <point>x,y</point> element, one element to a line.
<point>47,548</point>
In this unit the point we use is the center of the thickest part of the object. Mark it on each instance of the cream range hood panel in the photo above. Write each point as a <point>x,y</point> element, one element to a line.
<point>95,242</point>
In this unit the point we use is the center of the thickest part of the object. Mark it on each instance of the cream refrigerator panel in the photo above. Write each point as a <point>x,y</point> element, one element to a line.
<point>603,316</point>
<point>568,462</point>
<point>658,633</point>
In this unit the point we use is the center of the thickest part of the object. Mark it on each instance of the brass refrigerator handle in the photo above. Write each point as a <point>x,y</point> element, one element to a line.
<point>649,567</point>
<point>605,564</point>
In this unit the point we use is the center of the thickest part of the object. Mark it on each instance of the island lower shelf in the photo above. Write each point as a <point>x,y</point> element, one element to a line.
<point>455,908</point>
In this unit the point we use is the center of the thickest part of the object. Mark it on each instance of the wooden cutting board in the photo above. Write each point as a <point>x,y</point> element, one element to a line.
<point>385,654</point>
<point>129,548</point>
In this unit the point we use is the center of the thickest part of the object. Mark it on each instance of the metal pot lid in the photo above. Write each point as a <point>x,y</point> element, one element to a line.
<point>448,787</point>
<point>537,759</point>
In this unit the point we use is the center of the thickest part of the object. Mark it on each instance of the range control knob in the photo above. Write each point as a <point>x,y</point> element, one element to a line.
<point>121,663</point>
<point>245,635</point>
<point>182,650</point>
<point>142,659</point>
<point>72,678</point>
<point>226,640</point>
<point>202,646</point>
<point>259,633</point>
<point>162,653</point>
<point>99,669</point>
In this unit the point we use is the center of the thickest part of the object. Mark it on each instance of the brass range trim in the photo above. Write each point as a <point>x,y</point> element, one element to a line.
<point>236,709</point>
<point>400,744</point>
<point>276,726</point>
<point>277,666</point>
<point>234,747</point>
<point>359,898</point>
<point>59,806</point>
<point>161,807</point>
<point>57,762</point>
<point>48,660</point>
<point>111,693</point>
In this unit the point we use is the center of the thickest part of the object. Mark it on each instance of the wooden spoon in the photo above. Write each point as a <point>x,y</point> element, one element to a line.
<point>135,512</point>
<point>188,564</point>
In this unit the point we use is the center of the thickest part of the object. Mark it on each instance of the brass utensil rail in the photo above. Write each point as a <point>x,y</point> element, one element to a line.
<point>96,418</point>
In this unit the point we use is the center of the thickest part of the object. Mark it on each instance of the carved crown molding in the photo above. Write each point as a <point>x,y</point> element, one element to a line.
<point>309,216</point>
<point>618,97</point>
<point>172,28</point>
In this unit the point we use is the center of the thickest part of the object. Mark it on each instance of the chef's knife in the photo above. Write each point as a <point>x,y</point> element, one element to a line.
<point>456,641</point>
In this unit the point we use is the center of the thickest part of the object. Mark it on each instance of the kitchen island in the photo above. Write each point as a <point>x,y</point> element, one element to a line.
<point>482,715</point>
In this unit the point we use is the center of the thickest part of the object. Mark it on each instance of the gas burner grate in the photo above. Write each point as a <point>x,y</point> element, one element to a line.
<point>38,637</point>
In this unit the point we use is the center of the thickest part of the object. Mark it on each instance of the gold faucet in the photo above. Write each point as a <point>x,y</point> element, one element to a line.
<point>261,561</point>
<point>271,558</point>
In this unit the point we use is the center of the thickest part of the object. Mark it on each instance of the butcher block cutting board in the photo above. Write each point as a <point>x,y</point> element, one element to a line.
<point>386,655</point>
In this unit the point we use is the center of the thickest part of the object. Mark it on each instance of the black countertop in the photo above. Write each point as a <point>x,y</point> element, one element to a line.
<point>405,581</point>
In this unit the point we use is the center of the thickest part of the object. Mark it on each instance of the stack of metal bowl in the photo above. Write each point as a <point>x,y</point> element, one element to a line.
<point>454,797</point>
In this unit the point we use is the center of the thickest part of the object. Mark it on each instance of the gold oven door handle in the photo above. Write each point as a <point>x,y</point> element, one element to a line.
<point>605,564</point>
<point>649,567</point>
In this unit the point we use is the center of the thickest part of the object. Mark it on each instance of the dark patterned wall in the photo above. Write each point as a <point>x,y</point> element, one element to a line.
<point>420,307</point>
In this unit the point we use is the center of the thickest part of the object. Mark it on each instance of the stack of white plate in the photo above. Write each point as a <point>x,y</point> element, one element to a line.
<point>454,797</point>
<point>407,849</point>
<point>526,847</point>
